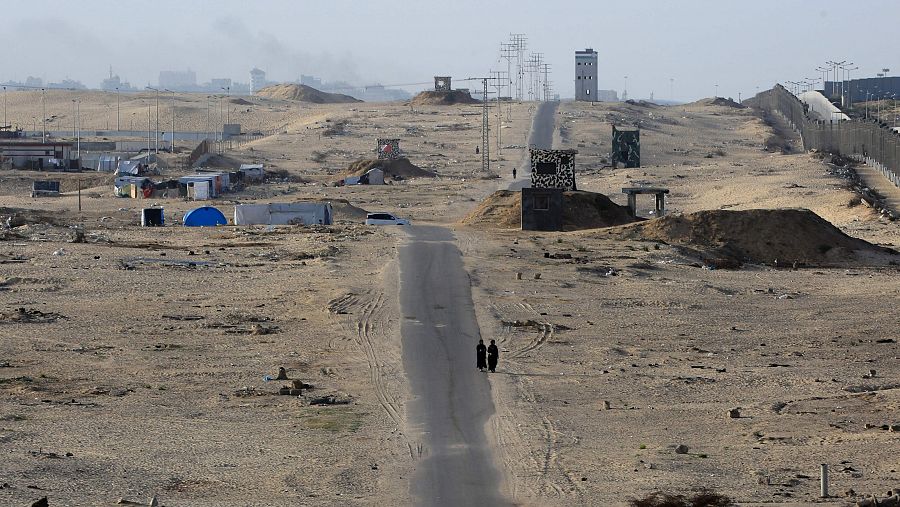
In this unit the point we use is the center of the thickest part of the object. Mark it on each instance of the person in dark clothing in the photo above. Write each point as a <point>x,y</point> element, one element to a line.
<point>514,173</point>
<point>480,354</point>
<point>493,354</point>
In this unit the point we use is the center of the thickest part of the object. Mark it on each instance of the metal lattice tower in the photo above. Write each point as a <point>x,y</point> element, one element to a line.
<point>508,51</point>
<point>521,43</point>
<point>545,68</point>
<point>485,131</point>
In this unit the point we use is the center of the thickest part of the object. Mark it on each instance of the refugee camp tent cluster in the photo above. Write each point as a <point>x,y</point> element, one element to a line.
<point>199,187</point>
<point>204,216</point>
<point>296,213</point>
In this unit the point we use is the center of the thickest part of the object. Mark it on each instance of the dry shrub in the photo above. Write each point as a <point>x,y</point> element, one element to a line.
<point>702,498</point>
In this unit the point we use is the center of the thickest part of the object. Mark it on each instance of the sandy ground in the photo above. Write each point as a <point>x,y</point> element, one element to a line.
<point>146,363</point>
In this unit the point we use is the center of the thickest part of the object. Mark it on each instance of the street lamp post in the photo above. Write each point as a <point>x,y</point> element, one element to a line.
<point>173,120</point>
<point>78,121</point>
<point>717,91</point>
<point>118,109</point>
<point>4,107</point>
<point>207,116</point>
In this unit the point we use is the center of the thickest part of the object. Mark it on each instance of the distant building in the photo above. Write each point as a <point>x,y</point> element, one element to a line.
<point>178,80</point>
<point>113,82</point>
<point>216,84</point>
<point>311,81</point>
<point>257,80</point>
<point>607,96</point>
<point>34,82</point>
<point>586,75</point>
<point>70,84</point>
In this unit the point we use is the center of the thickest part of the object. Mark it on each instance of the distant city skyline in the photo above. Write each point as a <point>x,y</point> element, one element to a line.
<point>684,50</point>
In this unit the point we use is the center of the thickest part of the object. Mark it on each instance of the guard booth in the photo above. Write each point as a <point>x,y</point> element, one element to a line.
<point>626,147</point>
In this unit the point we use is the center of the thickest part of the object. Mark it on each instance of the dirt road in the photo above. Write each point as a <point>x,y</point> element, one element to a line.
<point>541,136</point>
<point>451,400</point>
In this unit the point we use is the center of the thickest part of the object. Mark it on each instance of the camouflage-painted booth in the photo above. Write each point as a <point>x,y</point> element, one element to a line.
<point>388,149</point>
<point>626,147</point>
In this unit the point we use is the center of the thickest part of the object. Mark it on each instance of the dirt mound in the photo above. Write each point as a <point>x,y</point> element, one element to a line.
<point>725,238</point>
<point>581,210</point>
<point>17,217</point>
<point>343,210</point>
<point>718,101</point>
<point>400,168</point>
<point>241,102</point>
<point>304,93</point>
<point>435,98</point>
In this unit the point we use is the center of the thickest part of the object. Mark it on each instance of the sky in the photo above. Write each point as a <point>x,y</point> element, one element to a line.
<point>674,49</point>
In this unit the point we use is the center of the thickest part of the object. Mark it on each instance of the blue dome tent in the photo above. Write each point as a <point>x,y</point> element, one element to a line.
<point>205,216</point>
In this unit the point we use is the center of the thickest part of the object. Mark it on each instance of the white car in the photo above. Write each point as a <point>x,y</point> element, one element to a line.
<point>384,219</point>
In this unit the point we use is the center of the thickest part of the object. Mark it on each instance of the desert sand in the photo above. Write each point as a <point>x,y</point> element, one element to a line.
<point>133,364</point>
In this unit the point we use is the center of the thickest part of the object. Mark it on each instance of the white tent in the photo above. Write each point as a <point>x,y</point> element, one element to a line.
<point>284,213</point>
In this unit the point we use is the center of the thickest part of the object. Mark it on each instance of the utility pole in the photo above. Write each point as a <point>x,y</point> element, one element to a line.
<point>148,133</point>
<point>521,43</point>
<point>43,118</point>
<point>498,77</point>
<point>156,148</point>
<point>5,122</point>
<point>118,109</point>
<point>207,116</point>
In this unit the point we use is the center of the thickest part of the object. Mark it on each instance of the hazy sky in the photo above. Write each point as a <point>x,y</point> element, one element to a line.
<point>699,43</point>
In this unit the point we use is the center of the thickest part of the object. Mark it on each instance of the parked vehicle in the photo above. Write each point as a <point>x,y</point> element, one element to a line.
<point>385,219</point>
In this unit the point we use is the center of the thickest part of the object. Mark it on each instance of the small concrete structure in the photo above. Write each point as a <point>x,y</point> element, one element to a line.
<point>659,192</point>
<point>442,83</point>
<point>542,209</point>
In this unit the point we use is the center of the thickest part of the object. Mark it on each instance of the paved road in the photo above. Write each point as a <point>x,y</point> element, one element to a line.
<point>543,125</point>
<point>451,399</point>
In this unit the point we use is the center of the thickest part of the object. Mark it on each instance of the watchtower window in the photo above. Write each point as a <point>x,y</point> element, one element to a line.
<point>545,168</point>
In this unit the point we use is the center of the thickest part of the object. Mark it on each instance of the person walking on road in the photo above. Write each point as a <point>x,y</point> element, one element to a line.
<point>480,354</point>
<point>493,353</point>
<point>514,173</point>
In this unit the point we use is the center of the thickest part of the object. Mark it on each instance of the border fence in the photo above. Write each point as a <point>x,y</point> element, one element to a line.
<point>869,141</point>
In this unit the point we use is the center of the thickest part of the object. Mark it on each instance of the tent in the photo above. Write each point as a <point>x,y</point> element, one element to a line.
<point>205,216</point>
<point>284,213</point>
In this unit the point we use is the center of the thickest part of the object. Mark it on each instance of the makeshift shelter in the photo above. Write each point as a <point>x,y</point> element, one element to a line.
<point>152,217</point>
<point>107,163</point>
<point>132,186</point>
<point>374,176</point>
<point>284,213</point>
<point>132,167</point>
<point>42,188</point>
<point>205,216</point>
<point>253,172</point>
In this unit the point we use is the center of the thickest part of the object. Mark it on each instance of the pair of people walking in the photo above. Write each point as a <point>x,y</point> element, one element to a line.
<point>486,357</point>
